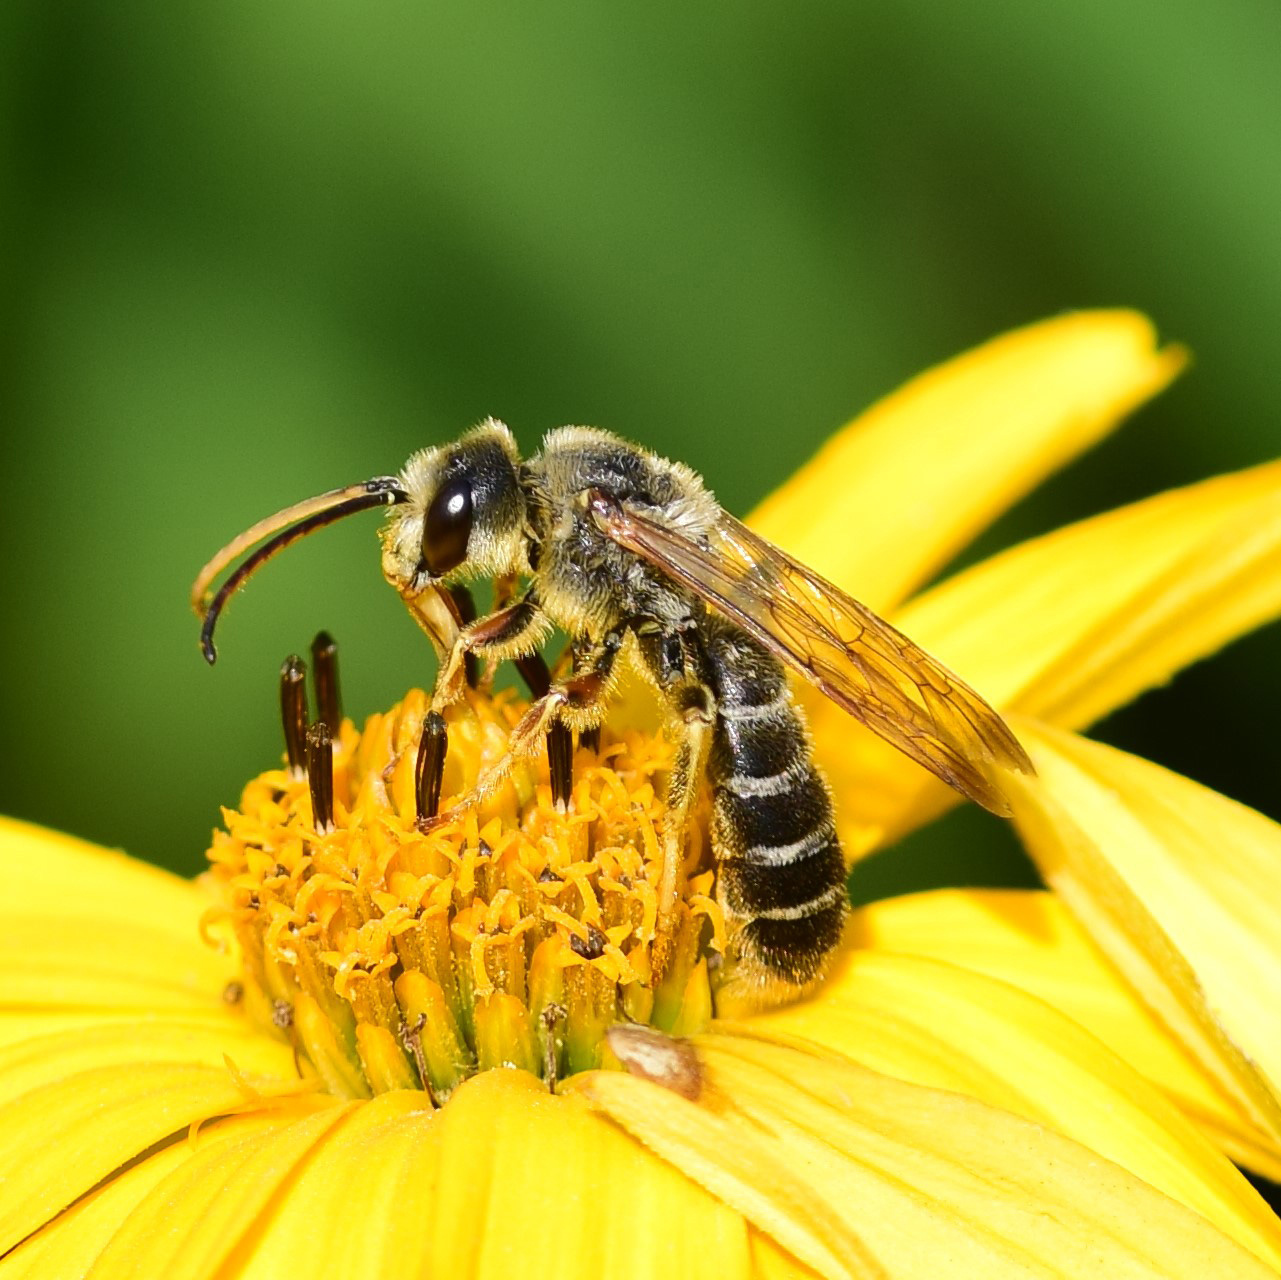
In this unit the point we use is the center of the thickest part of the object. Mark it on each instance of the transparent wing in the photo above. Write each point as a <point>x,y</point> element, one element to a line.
<point>858,660</point>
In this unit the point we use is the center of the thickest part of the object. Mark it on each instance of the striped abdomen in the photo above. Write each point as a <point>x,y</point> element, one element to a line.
<point>781,872</point>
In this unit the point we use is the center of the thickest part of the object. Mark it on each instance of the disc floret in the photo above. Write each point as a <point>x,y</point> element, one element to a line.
<point>398,950</point>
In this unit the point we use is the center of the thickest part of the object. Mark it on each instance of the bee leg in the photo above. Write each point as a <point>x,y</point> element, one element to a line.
<point>465,603</point>
<point>578,656</point>
<point>517,629</point>
<point>560,739</point>
<point>577,703</point>
<point>697,720</point>
<point>675,658</point>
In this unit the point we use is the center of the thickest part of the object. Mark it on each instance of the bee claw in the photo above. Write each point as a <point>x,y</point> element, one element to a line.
<point>425,826</point>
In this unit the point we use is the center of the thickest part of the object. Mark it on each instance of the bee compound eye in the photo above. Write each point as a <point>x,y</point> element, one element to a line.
<point>446,527</point>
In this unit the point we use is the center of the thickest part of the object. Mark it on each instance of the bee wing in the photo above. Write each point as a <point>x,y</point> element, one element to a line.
<point>863,664</point>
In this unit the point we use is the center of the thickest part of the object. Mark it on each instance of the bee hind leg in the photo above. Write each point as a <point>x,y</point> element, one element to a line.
<point>697,720</point>
<point>675,658</point>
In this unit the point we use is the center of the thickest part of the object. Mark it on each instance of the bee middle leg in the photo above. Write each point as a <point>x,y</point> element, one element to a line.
<point>576,703</point>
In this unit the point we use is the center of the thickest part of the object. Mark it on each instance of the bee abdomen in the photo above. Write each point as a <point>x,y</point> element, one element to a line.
<point>781,870</point>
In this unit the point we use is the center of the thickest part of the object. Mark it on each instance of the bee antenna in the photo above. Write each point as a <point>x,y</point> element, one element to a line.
<point>281,530</point>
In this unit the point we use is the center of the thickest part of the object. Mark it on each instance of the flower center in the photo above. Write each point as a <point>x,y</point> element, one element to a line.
<point>396,951</point>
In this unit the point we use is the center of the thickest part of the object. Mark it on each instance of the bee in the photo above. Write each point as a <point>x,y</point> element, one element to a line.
<point>631,556</point>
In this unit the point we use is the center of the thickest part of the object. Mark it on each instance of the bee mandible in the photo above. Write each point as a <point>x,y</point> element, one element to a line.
<point>630,555</point>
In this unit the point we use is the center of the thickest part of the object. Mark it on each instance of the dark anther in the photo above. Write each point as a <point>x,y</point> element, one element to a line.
<point>430,767</point>
<point>293,712</point>
<point>324,672</point>
<point>466,606</point>
<point>533,671</point>
<point>320,775</point>
<point>546,875</point>
<point>233,992</point>
<point>593,948</point>
<point>560,763</point>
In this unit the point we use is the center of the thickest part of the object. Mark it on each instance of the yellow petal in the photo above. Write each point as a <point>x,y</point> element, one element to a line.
<point>70,1244</point>
<point>1181,888</point>
<point>1029,940</point>
<point>1069,626</point>
<point>506,1180</point>
<point>344,1214</point>
<point>575,1230</point>
<point>84,927</point>
<point>55,959</point>
<point>71,1025</point>
<point>48,869</point>
<point>58,1140</point>
<point>737,1163</point>
<point>888,500</point>
<point>935,1024</point>
<point>771,1262</point>
<point>936,1183</point>
<point>1087,617</point>
<point>28,1064</point>
<point>208,1209</point>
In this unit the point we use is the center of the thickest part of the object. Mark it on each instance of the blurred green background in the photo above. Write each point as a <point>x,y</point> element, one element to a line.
<point>258,250</point>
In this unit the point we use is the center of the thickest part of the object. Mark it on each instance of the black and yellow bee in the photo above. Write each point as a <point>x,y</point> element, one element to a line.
<point>633,558</point>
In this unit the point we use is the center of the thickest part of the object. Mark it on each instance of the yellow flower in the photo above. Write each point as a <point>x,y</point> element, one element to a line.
<point>940,1108</point>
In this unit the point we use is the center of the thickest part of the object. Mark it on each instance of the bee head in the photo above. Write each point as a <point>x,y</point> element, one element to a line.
<point>458,509</point>
<point>463,514</point>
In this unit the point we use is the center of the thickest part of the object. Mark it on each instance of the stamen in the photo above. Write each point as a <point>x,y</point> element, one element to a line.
<point>550,1021</point>
<point>324,672</point>
<point>560,762</point>
<point>465,603</point>
<point>293,712</point>
<point>320,776</point>
<point>429,769</point>
<point>413,1038</point>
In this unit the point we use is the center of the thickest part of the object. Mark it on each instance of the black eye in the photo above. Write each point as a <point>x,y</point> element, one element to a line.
<point>446,528</point>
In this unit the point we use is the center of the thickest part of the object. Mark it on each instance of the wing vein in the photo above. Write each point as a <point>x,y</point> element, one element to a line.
<point>858,660</point>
